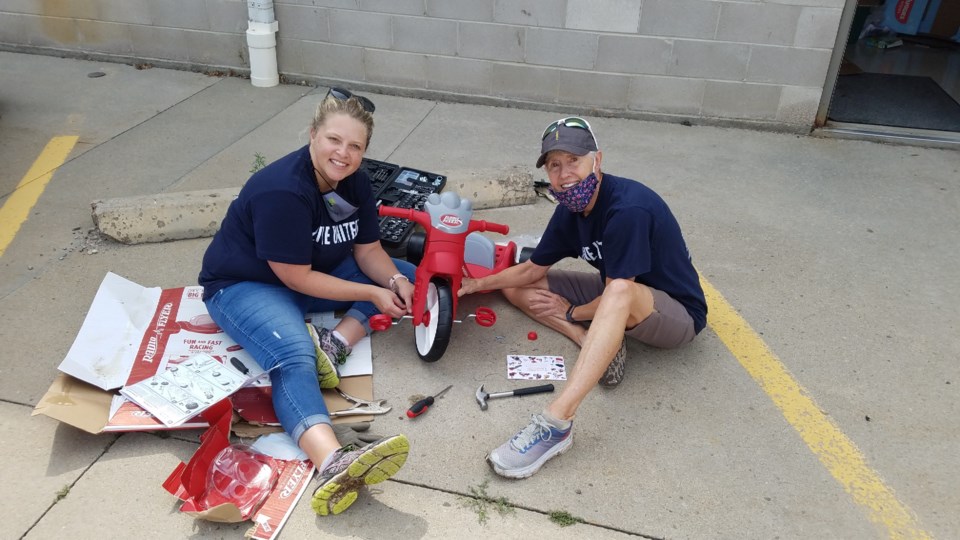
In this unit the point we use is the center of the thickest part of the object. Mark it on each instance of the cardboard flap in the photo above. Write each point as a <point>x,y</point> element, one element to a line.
<point>76,403</point>
<point>107,343</point>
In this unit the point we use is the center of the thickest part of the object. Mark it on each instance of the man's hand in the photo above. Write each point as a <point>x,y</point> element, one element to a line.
<point>544,303</point>
<point>468,286</point>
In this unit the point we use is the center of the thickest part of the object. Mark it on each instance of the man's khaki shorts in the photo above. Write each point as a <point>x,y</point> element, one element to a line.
<point>667,327</point>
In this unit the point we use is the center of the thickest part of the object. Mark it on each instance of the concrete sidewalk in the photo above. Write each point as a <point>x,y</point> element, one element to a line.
<point>841,255</point>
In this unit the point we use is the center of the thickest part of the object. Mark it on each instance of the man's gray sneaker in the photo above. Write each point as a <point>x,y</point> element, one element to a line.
<point>530,448</point>
<point>614,373</point>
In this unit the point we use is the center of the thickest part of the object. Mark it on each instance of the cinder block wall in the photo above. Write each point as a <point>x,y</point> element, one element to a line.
<point>760,62</point>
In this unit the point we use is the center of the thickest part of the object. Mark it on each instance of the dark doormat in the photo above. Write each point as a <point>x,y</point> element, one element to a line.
<point>894,100</point>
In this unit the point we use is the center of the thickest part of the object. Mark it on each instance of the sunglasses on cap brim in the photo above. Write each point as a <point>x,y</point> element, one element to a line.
<point>344,95</point>
<point>571,122</point>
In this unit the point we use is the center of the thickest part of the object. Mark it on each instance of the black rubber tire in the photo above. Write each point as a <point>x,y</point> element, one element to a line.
<point>432,340</point>
<point>525,254</point>
<point>415,244</point>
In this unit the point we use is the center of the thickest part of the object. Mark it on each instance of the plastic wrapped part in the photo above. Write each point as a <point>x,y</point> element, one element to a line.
<point>241,476</point>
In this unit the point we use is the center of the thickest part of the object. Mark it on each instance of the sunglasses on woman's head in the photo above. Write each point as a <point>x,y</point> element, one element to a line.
<point>570,121</point>
<point>344,95</point>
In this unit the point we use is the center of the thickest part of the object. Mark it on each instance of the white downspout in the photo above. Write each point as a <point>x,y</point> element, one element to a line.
<point>262,43</point>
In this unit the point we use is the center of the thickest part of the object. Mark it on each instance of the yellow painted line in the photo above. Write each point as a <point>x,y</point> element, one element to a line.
<point>17,208</point>
<point>837,453</point>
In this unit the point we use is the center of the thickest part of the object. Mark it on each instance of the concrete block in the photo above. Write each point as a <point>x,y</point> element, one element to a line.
<point>492,41</point>
<point>461,10</point>
<point>52,32</point>
<point>403,7</point>
<point>735,100</point>
<point>835,4</point>
<point>23,7</point>
<point>227,15</point>
<point>681,18</point>
<point>188,14</point>
<point>14,27</point>
<point>709,60</point>
<point>766,24</point>
<point>216,49</point>
<point>543,13</point>
<point>424,35</point>
<point>158,42</point>
<point>402,69</point>
<point>798,106</point>
<point>334,61</point>
<point>817,28</point>
<point>495,188</point>
<point>197,214</point>
<point>786,65</point>
<point>339,4</point>
<point>302,22</point>
<point>634,54</point>
<point>105,37</point>
<point>561,48</point>
<point>460,75</point>
<point>603,15</point>
<point>668,95</point>
<point>525,82</point>
<point>289,55</point>
<point>129,11</point>
<point>361,28</point>
<point>602,90</point>
<point>163,217</point>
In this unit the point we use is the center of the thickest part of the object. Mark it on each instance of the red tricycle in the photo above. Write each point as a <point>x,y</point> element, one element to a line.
<point>450,249</point>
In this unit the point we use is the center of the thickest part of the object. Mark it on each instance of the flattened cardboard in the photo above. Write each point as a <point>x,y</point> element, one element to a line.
<point>131,333</point>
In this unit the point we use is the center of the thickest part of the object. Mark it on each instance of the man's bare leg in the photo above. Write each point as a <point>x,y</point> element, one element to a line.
<point>520,297</point>
<point>623,304</point>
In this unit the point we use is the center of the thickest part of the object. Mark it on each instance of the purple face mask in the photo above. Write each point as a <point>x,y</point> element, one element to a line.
<point>578,197</point>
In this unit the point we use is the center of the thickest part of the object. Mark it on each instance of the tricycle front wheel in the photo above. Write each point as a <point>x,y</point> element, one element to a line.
<point>433,336</point>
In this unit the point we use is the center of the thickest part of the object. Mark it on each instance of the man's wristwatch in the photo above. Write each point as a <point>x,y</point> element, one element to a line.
<point>570,313</point>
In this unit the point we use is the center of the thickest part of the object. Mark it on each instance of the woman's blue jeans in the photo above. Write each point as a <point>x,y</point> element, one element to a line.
<point>268,321</point>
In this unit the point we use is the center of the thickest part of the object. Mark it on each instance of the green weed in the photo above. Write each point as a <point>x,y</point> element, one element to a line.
<point>259,162</point>
<point>483,504</point>
<point>563,518</point>
<point>62,493</point>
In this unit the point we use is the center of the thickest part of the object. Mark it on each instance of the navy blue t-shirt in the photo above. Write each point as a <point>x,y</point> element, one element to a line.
<point>630,233</point>
<point>280,216</point>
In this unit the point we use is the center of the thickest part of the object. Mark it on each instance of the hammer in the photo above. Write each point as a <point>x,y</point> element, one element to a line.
<point>482,396</point>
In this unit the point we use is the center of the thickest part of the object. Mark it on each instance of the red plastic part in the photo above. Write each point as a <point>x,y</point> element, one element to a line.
<point>380,322</point>
<point>485,316</point>
<point>532,336</point>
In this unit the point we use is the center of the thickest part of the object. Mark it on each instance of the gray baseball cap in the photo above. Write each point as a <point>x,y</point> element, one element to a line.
<point>569,136</point>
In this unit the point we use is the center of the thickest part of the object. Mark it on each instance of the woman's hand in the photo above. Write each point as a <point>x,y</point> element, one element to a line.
<point>544,303</point>
<point>404,290</point>
<point>389,303</point>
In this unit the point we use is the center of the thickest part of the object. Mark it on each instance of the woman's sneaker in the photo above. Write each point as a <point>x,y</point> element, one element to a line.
<point>351,468</point>
<point>528,450</point>
<point>336,350</point>
<point>327,371</point>
<point>614,373</point>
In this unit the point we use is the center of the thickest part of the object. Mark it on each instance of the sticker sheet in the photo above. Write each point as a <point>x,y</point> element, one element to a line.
<point>536,368</point>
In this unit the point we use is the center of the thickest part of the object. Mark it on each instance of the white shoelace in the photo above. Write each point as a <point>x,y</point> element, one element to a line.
<point>538,429</point>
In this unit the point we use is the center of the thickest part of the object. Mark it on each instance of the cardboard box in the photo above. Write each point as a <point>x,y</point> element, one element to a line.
<point>133,332</point>
<point>942,19</point>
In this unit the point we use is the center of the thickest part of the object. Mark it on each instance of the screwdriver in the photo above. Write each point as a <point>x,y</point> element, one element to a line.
<point>421,406</point>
